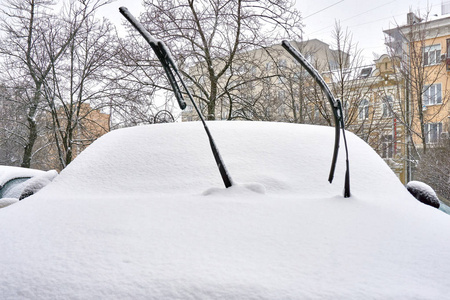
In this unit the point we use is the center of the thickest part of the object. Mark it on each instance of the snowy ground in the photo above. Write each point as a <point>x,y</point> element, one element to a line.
<point>142,214</point>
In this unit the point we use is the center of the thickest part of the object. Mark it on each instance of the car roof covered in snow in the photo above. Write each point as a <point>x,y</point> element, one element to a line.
<point>142,213</point>
<point>8,172</point>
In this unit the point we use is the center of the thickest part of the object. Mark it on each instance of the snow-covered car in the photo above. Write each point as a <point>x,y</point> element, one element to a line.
<point>17,183</point>
<point>142,213</point>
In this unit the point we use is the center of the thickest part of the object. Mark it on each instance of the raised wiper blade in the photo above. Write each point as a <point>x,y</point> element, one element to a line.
<point>337,113</point>
<point>163,54</point>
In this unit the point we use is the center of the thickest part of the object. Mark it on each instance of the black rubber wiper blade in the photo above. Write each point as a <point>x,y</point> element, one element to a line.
<point>337,114</point>
<point>163,54</point>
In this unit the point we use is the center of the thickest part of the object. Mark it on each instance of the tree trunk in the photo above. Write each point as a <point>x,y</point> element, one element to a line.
<point>212,99</point>
<point>32,134</point>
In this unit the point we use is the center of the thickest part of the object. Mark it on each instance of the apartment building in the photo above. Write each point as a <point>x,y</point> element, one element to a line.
<point>424,48</point>
<point>432,40</point>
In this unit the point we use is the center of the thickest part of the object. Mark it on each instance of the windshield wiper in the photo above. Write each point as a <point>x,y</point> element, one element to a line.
<point>170,68</point>
<point>337,113</point>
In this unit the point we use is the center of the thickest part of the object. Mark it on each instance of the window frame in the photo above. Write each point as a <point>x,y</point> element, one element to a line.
<point>363,109</point>
<point>432,55</point>
<point>387,106</point>
<point>282,63</point>
<point>387,146</point>
<point>429,128</point>
<point>432,94</point>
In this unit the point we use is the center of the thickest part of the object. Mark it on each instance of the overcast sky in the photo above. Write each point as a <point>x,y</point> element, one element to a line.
<point>365,20</point>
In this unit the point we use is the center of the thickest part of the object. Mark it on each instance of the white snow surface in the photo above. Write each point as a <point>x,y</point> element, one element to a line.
<point>143,214</point>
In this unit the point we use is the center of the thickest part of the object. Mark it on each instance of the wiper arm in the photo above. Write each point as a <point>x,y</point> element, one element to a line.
<point>337,113</point>
<point>163,54</point>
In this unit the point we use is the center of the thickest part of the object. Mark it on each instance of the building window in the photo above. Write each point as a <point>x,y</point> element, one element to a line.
<point>363,109</point>
<point>387,146</point>
<point>432,132</point>
<point>365,72</point>
<point>387,106</point>
<point>432,55</point>
<point>447,57</point>
<point>281,95</point>
<point>282,63</point>
<point>309,57</point>
<point>316,113</point>
<point>432,94</point>
<point>333,65</point>
<point>241,70</point>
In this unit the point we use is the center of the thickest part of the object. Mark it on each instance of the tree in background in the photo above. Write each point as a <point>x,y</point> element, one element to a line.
<point>205,38</point>
<point>12,126</point>
<point>355,85</point>
<point>78,86</point>
<point>35,39</point>
<point>417,48</point>
<point>421,67</point>
<point>434,169</point>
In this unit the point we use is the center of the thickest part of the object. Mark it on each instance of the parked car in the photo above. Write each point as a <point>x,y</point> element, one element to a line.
<point>17,183</point>
<point>142,213</point>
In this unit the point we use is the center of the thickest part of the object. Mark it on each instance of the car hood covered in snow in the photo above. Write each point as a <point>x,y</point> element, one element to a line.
<point>143,214</point>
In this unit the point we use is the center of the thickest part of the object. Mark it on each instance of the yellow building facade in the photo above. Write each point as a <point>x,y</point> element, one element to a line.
<point>423,45</point>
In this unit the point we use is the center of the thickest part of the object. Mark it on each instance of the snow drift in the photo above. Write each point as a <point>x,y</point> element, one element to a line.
<point>143,214</point>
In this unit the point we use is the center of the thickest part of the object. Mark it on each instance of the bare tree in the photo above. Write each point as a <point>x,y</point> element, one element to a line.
<point>34,39</point>
<point>207,36</point>
<point>12,127</point>
<point>353,83</point>
<point>422,70</point>
<point>78,87</point>
<point>297,93</point>
<point>255,86</point>
<point>434,169</point>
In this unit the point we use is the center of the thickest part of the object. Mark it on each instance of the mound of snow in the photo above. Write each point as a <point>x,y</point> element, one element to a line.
<point>143,214</point>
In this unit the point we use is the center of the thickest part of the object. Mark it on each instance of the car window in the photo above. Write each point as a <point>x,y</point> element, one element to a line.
<point>11,190</point>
